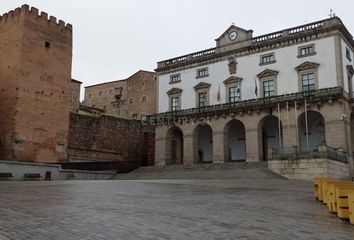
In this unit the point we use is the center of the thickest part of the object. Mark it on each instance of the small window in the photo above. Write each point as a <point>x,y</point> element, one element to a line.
<point>202,99</point>
<point>202,73</point>
<point>348,55</point>
<point>47,44</point>
<point>175,78</point>
<point>267,59</point>
<point>175,104</point>
<point>307,50</point>
<point>100,93</point>
<point>131,101</point>
<point>144,99</point>
<point>268,88</point>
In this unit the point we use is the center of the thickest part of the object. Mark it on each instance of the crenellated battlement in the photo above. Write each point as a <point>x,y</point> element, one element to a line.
<point>26,11</point>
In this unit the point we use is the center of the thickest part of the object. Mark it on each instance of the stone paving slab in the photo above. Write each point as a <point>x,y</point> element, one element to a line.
<point>166,209</point>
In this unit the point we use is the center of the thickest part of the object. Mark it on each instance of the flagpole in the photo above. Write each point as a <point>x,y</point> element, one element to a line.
<point>307,128</point>
<point>287,114</point>
<point>279,127</point>
<point>297,128</point>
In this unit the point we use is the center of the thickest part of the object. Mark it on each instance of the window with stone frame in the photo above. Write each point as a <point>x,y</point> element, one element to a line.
<point>234,94</point>
<point>267,59</point>
<point>176,78</point>
<point>202,72</point>
<point>347,54</point>
<point>308,82</point>
<point>268,88</point>
<point>174,98</point>
<point>307,50</point>
<point>268,83</point>
<point>233,89</point>
<point>202,99</point>
<point>307,76</point>
<point>175,104</point>
<point>202,94</point>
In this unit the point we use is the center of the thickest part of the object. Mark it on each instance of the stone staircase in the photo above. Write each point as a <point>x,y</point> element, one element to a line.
<point>243,170</point>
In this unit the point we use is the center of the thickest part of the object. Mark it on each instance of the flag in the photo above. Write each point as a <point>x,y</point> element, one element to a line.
<point>255,87</point>
<point>218,95</point>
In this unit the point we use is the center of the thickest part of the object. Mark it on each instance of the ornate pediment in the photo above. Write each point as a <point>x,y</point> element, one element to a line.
<point>201,85</point>
<point>267,73</point>
<point>232,80</point>
<point>174,91</point>
<point>232,35</point>
<point>350,70</point>
<point>306,66</point>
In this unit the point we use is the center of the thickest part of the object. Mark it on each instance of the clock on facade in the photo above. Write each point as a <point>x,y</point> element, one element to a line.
<point>233,35</point>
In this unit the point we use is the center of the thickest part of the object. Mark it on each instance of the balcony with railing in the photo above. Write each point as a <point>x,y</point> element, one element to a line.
<point>255,104</point>
<point>313,152</point>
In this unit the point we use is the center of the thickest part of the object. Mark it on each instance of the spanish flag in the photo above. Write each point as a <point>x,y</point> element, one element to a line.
<point>218,95</point>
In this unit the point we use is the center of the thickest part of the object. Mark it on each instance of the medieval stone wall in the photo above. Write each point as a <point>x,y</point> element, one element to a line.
<point>110,138</point>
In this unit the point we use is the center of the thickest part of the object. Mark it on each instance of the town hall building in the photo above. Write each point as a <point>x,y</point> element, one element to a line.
<point>283,95</point>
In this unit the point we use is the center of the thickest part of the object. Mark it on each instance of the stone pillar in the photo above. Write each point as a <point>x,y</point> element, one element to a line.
<point>188,151</point>
<point>160,151</point>
<point>218,147</point>
<point>252,145</point>
<point>336,135</point>
<point>160,145</point>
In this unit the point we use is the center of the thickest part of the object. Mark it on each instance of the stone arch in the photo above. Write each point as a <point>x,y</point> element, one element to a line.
<point>235,141</point>
<point>269,136</point>
<point>203,144</point>
<point>174,146</point>
<point>314,135</point>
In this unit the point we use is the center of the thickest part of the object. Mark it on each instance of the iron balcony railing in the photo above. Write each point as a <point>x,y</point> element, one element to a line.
<point>254,104</point>
<point>320,151</point>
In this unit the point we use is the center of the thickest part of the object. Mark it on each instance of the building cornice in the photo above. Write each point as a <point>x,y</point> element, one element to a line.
<point>289,37</point>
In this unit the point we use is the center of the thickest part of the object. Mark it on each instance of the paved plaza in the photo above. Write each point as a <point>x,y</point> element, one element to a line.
<point>166,209</point>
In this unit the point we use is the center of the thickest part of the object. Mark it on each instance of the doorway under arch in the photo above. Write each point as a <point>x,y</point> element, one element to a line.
<point>174,147</point>
<point>270,135</point>
<point>314,135</point>
<point>235,141</point>
<point>203,144</point>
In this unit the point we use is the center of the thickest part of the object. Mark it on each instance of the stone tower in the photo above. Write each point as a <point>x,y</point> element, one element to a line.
<point>35,77</point>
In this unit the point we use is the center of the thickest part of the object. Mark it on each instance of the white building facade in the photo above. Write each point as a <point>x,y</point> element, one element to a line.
<point>255,98</point>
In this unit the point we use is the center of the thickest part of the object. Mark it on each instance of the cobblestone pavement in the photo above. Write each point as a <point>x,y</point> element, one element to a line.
<point>166,209</point>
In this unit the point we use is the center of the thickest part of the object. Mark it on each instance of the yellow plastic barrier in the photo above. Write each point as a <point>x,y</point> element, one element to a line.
<point>324,186</point>
<point>351,207</point>
<point>319,187</point>
<point>342,193</point>
<point>331,193</point>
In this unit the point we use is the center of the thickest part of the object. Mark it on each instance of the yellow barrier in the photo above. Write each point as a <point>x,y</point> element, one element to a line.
<point>331,193</point>
<point>342,193</point>
<point>324,185</point>
<point>351,207</point>
<point>318,187</point>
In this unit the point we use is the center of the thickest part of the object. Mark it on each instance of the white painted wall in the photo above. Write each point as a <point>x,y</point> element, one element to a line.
<point>248,68</point>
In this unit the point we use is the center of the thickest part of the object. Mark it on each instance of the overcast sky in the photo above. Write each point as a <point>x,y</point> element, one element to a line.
<point>115,38</point>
